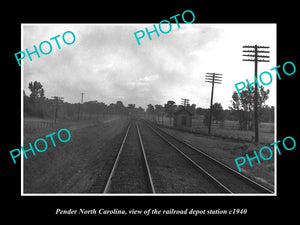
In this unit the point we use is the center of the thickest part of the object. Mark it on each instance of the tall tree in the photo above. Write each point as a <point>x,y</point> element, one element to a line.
<point>120,108</point>
<point>37,91</point>
<point>170,108</point>
<point>159,111</point>
<point>35,105</point>
<point>191,108</point>
<point>245,105</point>
<point>150,110</point>
<point>218,114</point>
<point>236,106</point>
<point>131,108</point>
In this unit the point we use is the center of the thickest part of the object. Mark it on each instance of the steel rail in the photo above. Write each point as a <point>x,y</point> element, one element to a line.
<point>145,160</point>
<point>112,173</point>
<point>107,186</point>
<point>221,186</point>
<point>251,182</point>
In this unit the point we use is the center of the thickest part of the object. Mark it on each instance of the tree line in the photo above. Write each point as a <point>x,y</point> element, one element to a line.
<point>241,109</point>
<point>37,105</point>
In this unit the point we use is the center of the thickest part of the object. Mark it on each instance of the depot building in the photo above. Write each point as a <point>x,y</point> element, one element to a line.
<point>182,118</point>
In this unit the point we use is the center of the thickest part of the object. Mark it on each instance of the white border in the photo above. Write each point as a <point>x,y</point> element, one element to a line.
<point>171,194</point>
<point>22,118</point>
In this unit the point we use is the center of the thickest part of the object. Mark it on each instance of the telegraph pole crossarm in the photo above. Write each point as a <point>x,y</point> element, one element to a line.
<point>56,98</point>
<point>255,57</point>
<point>185,102</point>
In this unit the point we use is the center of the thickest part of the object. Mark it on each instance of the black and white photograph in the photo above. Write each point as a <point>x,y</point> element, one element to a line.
<point>159,114</point>
<point>150,111</point>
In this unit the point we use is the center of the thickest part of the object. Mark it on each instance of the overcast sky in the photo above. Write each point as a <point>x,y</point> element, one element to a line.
<point>106,63</point>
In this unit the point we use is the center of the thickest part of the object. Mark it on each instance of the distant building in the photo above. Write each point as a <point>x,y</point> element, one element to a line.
<point>182,118</point>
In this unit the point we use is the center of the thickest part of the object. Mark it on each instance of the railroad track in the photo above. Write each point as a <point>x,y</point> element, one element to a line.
<point>188,169</point>
<point>222,176</point>
<point>130,172</point>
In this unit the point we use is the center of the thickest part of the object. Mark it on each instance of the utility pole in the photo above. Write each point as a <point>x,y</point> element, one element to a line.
<point>212,78</point>
<point>56,98</point>
<point>185,102</point>
<point>256,58</point>
<point>80,104</point>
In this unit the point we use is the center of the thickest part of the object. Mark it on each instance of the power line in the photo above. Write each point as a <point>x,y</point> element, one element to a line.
<point>57,99</point>
<point>82,97</point>
<point>80,104</point>
<point>185,102</point>
<point>213,78</point>
<point>255,57</point>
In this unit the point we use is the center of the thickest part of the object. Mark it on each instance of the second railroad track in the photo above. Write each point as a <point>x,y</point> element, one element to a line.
<point>176,166</point>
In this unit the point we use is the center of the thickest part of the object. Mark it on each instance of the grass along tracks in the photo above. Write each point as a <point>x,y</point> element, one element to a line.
<point>73,166</point>
<point>84,164</point>
<point>228,179</point>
